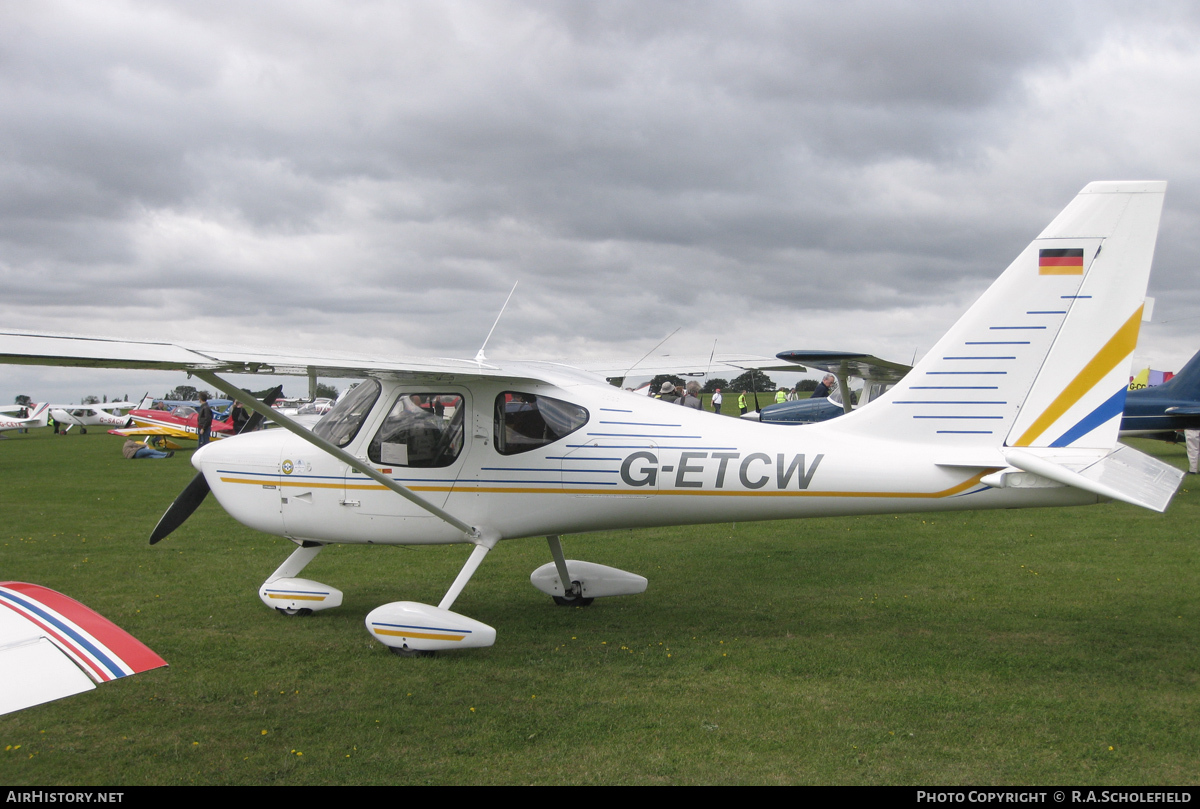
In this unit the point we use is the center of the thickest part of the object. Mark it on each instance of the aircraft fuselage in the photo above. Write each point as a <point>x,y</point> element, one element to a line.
<point>624,461</point>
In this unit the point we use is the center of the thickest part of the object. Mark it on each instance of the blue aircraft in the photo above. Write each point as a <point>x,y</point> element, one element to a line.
<point>877,375</point>
<point>1161,411</point>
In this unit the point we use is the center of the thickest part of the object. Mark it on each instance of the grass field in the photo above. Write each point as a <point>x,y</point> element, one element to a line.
<point>1022,647</point>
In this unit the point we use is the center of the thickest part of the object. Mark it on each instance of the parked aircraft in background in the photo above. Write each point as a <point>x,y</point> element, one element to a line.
<point>878,377</point>
<point>90,415</point>
<point>166,427</point>
<point>1162,410</point>
<point>38,414</point>
<point>1018,405</point>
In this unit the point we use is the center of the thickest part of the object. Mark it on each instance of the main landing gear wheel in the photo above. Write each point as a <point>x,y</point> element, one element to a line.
<point>404,651</point>
<point>302,612</point>
<point>573,600</point>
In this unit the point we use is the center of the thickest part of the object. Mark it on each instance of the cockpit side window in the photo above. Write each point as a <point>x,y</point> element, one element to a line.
<point>421,430</point>
<point>342,423</point>
<point>525,421</point>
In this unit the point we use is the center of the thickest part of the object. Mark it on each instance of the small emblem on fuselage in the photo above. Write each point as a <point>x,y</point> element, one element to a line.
<point>287,467</point>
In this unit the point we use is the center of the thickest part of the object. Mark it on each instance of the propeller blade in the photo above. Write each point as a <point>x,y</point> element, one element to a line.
<point>187,502</point>
<point>256,419</point>
<point>193,495</point>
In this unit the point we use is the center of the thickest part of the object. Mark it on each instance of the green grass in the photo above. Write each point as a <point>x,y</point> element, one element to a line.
<point>1022,647</point>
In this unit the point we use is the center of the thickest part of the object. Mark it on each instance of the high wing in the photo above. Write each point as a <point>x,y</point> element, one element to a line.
<point>847,364</point>
<point>51,646</point>
<point>32,348</point>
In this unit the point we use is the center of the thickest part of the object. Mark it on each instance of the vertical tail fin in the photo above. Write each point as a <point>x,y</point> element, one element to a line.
<point>41,413</point>
<point>1042,358</point>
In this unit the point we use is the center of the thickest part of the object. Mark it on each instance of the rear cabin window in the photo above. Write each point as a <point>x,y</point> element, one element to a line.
<point>421,430</point>
<point>525,421</point>
<point>342,423</point>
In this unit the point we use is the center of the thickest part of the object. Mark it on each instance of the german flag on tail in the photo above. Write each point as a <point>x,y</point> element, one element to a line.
<point>1061,261</point>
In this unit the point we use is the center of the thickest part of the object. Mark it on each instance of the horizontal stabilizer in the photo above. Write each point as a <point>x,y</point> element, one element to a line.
<point>1124,474</point>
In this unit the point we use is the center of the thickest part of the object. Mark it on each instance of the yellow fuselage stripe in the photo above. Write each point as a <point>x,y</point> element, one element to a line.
<point>423,635</point>
<point>465,485</point>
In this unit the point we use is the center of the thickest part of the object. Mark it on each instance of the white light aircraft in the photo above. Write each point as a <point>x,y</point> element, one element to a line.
<point>36,418</point>
<point>91,415</point>
<point>1017,406</point>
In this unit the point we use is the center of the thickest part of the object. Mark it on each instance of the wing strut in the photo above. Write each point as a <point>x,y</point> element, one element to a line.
<point>250,403</point>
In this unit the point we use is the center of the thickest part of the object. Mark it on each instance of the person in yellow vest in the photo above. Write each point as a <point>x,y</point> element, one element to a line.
<point>742,402</point>
<point>780,396</point>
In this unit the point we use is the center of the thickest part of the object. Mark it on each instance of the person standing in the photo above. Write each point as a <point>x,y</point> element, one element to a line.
<point>667,392</point>
<point>716,401</point>
<point>203,421</point>
<point>742,402</point>
<point>823,389</point>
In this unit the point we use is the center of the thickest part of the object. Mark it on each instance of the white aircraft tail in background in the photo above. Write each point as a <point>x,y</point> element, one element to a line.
<point>37,417</point>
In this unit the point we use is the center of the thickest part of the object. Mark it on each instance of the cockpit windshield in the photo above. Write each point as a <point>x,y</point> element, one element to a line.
<point>342,423</point>
<point>835,394</point>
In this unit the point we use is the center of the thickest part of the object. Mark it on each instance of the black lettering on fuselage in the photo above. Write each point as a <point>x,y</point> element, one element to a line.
<point>725,458</point>
<point>804,479</point>
<point>743,472</point>
<point>642,469</point>
<point>684,469</point>
<point>649,474</point>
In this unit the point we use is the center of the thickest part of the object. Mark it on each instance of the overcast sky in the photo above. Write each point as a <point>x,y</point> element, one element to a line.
<point>374,176</point>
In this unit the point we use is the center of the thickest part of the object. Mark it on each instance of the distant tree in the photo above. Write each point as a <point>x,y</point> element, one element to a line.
<point>753,380</point>
<point>326,391</point>
<point>716,382</point>
<point>185,393</point>
<point>91,400</point>
<point>23,400</point>
<point>807,384</point>
<point>657,381</point>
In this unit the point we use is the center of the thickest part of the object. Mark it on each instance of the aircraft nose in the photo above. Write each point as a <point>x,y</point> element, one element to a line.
<point>200,454</point>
